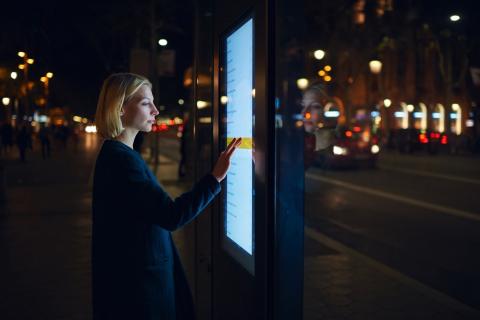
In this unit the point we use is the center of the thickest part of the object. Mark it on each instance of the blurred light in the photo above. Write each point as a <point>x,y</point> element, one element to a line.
<point>332,114</point>
<point>308,115</point>
<point>30,61</point>
<point>6,101</point>
<point>42,118</point>
<point>321,73</point>
<point>77,119</point>
<point>327,68</point>
<point>374,114</point>
<point>178,120</point>
<point>339,151</point>
<point>302,83</point>
<point>417,115</point>
<point>298,123</point>
<point>21,54</point>
<point>444,140</point>
<point>43,79</point>
<point>253,92</point>
<point>387,103</point>
<point>453,116</point>
<point>205,120</point>
<point>423,138</point>
<point>348,134</point>
<point>319,54</point>
<point>455,107</point>
<point>436,115</point>
<point>181,102</point>
<point>375,149</point>
<point>21,66</point>
<point>13,75</point>
<point>85,120</point>
<point>410,107</point>
<point>91,129</point>
<point>202,104</point>
<point>399,114</point>
<point>357,129</point>
<point>327,78</point>
<point>375,66</point>
<point>163,42</point>
<point>49,75</point>
<point>223,100</point>
<point>454,17</point>
<point>469,123</point>
<point>34,123</point>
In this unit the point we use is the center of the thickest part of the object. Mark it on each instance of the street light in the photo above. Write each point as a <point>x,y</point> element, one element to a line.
<point>454,18</point>
<point>319,54</point>
<point>163,42</point>
<point>6,101</point>
<point>13,75</point>
<point>302,83</point>
<point>387,103</point>
<point>49,75</point>
<point>375,66</point>
<point>21,54</point>
<point>30,61</point>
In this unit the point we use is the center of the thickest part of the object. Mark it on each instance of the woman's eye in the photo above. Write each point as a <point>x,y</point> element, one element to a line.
<point>145,104</point>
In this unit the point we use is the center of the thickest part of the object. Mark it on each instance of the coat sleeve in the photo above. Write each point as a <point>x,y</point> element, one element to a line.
<point>151,203</point>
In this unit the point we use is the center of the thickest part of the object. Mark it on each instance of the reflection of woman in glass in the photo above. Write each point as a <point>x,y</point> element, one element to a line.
<point>319,131</point>
<point>136,270</point>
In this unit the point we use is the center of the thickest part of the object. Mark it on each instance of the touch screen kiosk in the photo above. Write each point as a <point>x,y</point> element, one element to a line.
<point>237,120</point>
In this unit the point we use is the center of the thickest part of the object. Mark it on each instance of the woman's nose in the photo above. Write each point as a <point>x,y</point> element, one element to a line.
<point>155,111</point>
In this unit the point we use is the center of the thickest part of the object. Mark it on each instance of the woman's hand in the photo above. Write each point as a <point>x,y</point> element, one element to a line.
<point>223,163</point>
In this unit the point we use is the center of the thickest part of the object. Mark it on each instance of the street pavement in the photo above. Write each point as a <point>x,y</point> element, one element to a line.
<point>397,242</point>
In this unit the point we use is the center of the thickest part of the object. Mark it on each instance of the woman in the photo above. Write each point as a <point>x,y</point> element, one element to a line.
<point>136,270</point>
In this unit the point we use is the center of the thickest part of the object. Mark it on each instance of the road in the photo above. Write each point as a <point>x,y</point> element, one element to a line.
<point>416,215</point>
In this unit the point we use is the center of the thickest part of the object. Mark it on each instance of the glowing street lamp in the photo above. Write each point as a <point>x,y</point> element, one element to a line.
<point>49,75</point>
<point>302,83</point>
<point>454,18</point>
<point>375,66</point>
<point>319,54</point>
<point>6,101</point>
<point>21,54</point>
<point>387,103</point>
<point>163,42</point>
<point>13,75</point>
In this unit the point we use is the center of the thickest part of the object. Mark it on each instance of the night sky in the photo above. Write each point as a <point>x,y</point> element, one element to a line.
<point>82,42</point>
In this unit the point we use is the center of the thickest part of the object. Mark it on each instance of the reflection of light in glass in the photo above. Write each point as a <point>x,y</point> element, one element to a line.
<point>418,115</point>
<point>375,66</point>
<point>436,115</point>
<point>163,42</point>
<point>399,114</point>
<point>321,73</point>
<point>453,116</point>
<point>6,101</point>
<point>410,107</point>
<point>375,149</point>
<point>340,151</point>
<point>319,54</point>
<point>332,114</point>
<point>387,103</point>
<point>455,107</point>
<point>202,104</point>
<point>302,83</point>
<point>469,123</point>
<point>328,68</point>
<point>375,114</point>
<point>181,102</point>
<point>223,100</point>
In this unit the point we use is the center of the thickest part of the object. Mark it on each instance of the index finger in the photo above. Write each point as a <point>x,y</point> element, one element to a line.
<point>231,144</point>
<point>234,147</point>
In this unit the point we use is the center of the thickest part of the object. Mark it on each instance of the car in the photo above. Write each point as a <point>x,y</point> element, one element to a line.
<point>351,147</point>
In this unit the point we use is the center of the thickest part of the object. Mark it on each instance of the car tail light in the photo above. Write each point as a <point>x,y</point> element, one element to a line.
<point>444,140</point>
<point>348,134</point>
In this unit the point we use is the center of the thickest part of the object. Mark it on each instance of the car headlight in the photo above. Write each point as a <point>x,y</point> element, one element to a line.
<point>375,149</point>
<point>340,151</point>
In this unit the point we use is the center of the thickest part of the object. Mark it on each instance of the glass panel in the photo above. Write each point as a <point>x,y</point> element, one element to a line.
<point>385,95</point>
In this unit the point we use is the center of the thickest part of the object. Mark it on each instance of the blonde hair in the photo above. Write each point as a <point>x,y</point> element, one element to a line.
<point>116,91</point>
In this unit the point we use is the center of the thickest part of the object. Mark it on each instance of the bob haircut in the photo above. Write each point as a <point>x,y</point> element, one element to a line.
<point>116,91</point>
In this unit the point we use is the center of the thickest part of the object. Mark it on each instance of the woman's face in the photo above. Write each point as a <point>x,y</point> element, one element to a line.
<point>312,111</point>
<point>140,112</point>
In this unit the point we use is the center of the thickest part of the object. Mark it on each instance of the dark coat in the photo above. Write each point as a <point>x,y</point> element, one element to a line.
<point>136,270</point>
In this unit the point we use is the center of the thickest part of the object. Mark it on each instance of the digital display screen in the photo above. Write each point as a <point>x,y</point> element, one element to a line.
<point>238,102</point>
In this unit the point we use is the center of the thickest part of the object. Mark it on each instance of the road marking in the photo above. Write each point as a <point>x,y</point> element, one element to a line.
<point>451,211</point>
<point>424,289</point>
<point>431,174</point>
